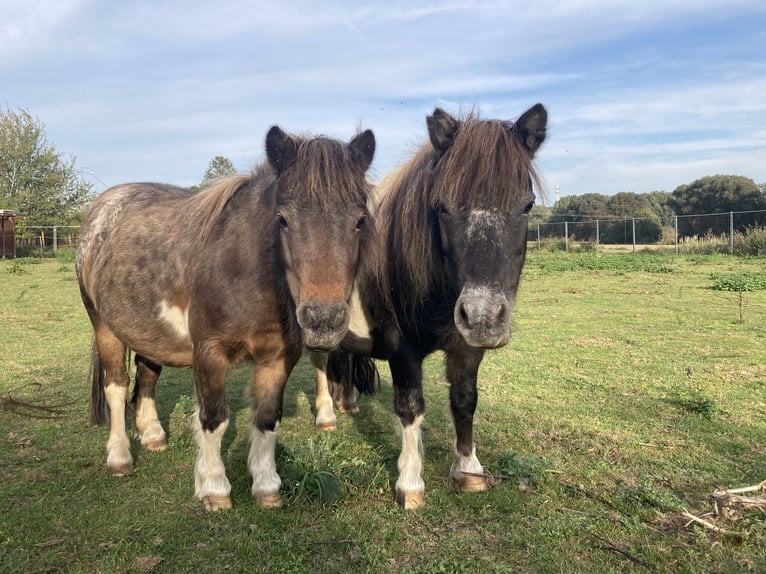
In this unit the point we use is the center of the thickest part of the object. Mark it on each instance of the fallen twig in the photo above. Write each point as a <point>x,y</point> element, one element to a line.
<point>613,548</point>
<point>23,408</point>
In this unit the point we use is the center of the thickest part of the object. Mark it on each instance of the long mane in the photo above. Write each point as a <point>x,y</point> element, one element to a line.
<point>486,167</point>
<point>319,176</point>
<point>206,207</point>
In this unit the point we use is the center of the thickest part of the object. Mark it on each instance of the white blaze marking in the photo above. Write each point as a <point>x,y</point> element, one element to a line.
<point>176,317</point>
<point>480,220</point>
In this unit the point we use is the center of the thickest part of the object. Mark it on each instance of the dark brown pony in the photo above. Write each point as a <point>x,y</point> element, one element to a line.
<point>251,268</point>
<point>452,242</point>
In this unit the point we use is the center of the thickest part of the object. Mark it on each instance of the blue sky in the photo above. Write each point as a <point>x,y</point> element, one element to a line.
<point>642,96</point>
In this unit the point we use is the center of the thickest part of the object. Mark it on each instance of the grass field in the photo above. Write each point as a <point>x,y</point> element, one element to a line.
<point>630,392</point>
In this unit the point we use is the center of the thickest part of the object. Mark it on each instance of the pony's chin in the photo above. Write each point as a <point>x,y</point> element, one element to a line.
<point>486,340</point>
<point>322,341</point>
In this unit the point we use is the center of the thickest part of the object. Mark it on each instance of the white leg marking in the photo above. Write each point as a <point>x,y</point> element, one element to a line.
<point>465,464</point>
<point>209,473</point>
<point>118,458</point>
<point>148,425</point>
<point>411,459</point>
<point>325,415</point>
<point>263,467</point>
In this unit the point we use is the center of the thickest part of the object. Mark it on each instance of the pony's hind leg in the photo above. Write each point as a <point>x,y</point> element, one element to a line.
<point>148,427</point>
<point>462,367</point>
<point>325,419</point>
<point>112,356</point>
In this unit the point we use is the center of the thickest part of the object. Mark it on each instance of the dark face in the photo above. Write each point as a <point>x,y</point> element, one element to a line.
<point>485,247</point>
<point>322,220</point>
<point>485,251</point>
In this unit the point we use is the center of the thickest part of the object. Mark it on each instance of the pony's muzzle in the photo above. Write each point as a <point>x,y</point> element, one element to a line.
<point>323,324</point>
<point>483,318</point>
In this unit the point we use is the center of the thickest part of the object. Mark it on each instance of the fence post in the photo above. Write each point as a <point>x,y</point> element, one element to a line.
<point>731,233</point>
<point>598,239</point>
<point>566,236</point>
<point>634,234</point>
<point>55,239</point>
<point>538,237</point>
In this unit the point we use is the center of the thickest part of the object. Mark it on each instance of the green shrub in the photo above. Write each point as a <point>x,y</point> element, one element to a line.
<point>750,242</point>
<point>740,281</point>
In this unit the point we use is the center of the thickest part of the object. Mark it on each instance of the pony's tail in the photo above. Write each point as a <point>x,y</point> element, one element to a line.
<point>99,409</point>
<point>346,370</point>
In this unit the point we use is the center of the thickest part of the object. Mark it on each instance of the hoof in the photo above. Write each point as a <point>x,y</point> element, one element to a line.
<point>410,500</point>
<point>157,445</point>
<point>327,426</point>
<point>273,500</point>
<point>472,483</point>
<point>214,503</point>
<point>348,407</point>
<point>122,469</point>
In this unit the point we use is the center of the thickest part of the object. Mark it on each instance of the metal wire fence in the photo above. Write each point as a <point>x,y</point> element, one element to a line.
<point>718,232</point>
<point>709,232</point>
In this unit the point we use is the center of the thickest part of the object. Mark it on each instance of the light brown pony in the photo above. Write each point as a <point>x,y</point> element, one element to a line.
<point>251,268</point>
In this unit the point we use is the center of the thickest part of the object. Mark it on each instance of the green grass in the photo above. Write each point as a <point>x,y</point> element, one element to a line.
<point>629,393</point>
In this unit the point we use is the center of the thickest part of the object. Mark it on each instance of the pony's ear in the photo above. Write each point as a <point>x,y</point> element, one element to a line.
<point>442,128</point>
<point>530,127</point>
<point>281,149</point>
<point>363,148</point>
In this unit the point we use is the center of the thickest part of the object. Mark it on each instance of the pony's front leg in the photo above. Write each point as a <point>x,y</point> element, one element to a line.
<point>325,419</point>
<point>267,386</point>
<point>410,407</point>
<point>462,366</point>
<point>211,485</point>
<point>148,427</point>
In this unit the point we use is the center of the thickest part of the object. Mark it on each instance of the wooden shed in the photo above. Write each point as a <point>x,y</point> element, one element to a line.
<point>8,233</point>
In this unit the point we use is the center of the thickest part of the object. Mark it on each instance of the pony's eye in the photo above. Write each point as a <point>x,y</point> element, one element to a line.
<point>361,222</point>
<point>282,220</point>
<point>529,207</point>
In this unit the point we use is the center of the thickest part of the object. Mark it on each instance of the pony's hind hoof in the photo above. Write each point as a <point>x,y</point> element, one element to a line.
<point>349,408</point>
<point>472,483</point>
<point>158,445</point>
<point>410,500</point>
<point>273,500</point>
<point>215,503</point>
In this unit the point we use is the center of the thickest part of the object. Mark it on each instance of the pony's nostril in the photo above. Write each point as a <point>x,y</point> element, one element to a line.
<point>463,313</point>
<point>501,314</point>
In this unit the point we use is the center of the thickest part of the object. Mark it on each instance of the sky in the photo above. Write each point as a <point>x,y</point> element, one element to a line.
<point>642,96</point>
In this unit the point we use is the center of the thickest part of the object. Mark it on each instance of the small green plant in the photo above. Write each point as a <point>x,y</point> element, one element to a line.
<point>306,473</point>
<point>16,267</point>
<point>646,495</point>
<point>739,281</point>
<point>692,399</point>
<point>528,470</point>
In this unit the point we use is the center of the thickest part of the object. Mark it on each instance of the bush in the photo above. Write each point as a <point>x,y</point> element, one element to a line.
<point>750,242</point>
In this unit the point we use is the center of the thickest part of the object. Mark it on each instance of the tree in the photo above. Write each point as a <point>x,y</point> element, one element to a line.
<point>218,167</point>
<point>35,178</point>
<point>716,194</point>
